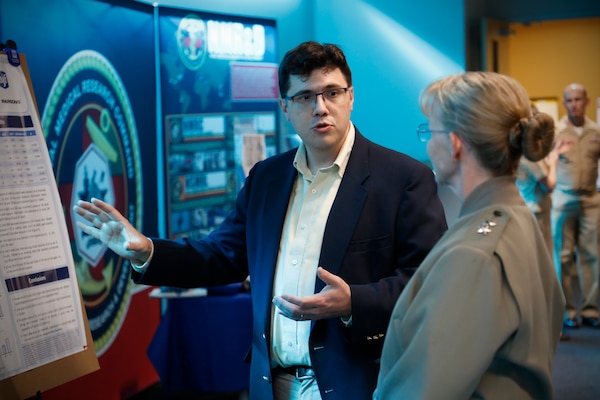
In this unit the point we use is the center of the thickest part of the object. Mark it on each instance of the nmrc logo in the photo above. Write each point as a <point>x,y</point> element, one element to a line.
<point>92,180</point>
<point>191,41</point>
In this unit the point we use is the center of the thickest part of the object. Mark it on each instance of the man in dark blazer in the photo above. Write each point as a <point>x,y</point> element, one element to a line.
<point>329,234</point>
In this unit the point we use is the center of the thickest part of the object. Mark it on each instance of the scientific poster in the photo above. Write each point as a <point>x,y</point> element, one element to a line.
<point>41,318</point>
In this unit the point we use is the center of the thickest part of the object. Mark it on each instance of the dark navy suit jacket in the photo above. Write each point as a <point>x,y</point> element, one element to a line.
<point>384,220</point>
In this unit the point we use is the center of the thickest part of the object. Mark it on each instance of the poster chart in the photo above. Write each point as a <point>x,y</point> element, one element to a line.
<point>41,318</point>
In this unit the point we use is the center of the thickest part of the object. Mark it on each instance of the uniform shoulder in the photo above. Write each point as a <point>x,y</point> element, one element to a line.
<point>483,229</point>
<point>591,124</point>
<point>562,124</point>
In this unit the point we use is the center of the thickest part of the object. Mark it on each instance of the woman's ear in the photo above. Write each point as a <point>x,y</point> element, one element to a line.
<point>457,146</point>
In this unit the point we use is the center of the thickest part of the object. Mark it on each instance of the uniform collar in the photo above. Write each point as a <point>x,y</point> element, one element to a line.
<point>498,190</point>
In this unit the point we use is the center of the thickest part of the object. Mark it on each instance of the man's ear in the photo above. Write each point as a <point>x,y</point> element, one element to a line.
<point>284,108</point>
<point>457,146</point>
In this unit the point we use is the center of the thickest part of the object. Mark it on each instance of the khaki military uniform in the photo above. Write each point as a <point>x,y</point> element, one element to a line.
<point>575,212</point>
<point>482,316</point>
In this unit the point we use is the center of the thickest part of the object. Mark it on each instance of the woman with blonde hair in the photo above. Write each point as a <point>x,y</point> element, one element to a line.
<point>482,316</point>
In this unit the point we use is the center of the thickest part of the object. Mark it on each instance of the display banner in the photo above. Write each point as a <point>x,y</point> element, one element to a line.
<point>93,70</point>
<point>219,102</point>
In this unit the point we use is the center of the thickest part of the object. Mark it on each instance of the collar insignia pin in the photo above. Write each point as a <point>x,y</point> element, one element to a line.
<point>485,227</point>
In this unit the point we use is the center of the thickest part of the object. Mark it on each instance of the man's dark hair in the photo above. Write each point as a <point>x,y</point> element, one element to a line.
<point>308,56</point>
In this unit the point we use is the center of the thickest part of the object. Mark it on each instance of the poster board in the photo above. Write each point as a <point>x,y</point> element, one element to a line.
<point>31,383</point>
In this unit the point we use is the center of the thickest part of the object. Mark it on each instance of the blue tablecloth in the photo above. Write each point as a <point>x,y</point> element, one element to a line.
<point>201,343</point>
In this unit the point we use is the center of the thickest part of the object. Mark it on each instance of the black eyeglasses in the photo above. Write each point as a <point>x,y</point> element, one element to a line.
<point>306,99</point>
<point>424,133</point>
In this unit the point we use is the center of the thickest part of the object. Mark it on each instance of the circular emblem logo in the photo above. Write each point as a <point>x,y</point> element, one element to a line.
<point>92,140</point>
<point>191,41</point>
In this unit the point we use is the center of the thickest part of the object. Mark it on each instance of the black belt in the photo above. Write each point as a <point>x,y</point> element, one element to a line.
<point>299,371</point>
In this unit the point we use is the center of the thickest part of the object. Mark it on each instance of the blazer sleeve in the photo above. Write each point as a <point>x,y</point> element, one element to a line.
<point>218,259</point>
<point>228,253</point>
<point>407,205</point>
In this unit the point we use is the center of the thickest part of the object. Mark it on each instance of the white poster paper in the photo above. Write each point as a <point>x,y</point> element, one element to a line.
<point>41,318</point>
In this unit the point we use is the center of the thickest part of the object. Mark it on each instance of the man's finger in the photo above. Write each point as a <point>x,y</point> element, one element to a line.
<point>326,276</point>
<point>90,230</point>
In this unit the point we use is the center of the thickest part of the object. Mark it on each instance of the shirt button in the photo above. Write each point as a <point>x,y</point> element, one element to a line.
<point>303,226</point>
<point>314,191</point>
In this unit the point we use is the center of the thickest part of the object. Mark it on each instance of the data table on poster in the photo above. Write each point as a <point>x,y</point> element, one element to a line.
<point>21,161</point>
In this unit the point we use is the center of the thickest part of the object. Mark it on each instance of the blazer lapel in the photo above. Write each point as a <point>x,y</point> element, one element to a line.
<point>278,188</point>
<point>345,210</point>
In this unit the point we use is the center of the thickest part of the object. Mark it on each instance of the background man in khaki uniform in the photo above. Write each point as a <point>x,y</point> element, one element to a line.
<point>575,208</point>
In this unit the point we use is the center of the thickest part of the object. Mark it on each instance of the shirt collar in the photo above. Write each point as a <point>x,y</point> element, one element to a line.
<point>341,161</point>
